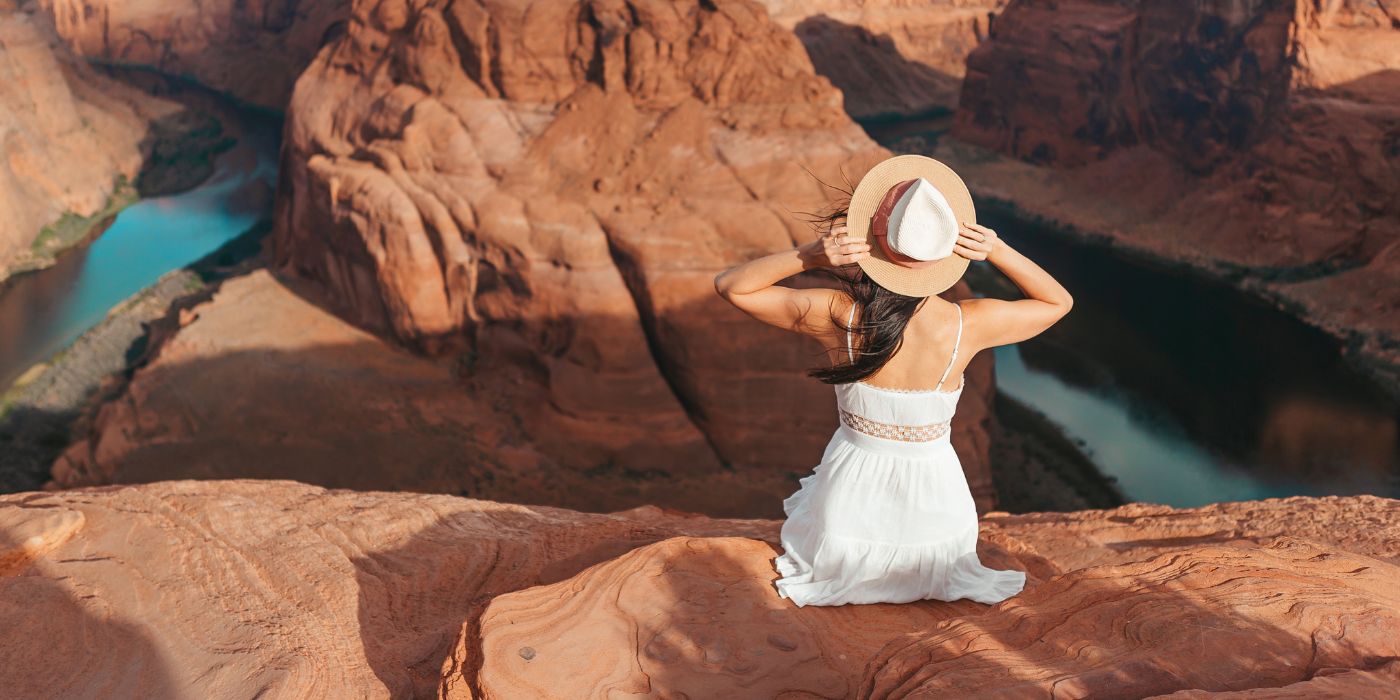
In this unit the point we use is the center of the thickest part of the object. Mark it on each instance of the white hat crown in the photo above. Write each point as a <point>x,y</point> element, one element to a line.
<point>922,225</point>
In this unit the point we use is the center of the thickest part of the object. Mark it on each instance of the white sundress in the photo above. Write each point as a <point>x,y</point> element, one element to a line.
<point>887,516</point>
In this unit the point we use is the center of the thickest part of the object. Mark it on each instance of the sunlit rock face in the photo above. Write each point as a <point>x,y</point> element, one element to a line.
<point>545,191</point>
<point>1259,141</point>
<point>890,58</point>
<point>253,50</point>
<point>69,134</point>
<point>278,589</point>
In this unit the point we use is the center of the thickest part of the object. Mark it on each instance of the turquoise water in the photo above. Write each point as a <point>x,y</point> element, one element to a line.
<point>44,311</point>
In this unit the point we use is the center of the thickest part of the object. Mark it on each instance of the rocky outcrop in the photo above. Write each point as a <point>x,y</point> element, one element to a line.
<point>73,140</point>
<point>253,51</point>
<point>545,193</point>
<point>274,588</point>
<point>261,379</point>
<point>890,58</point>
<point>1257,143</point>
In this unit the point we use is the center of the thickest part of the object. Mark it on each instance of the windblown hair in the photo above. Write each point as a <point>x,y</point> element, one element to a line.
<point>881,315</point>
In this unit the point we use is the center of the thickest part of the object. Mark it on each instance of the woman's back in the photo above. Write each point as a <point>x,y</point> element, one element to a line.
<point>931,356</point>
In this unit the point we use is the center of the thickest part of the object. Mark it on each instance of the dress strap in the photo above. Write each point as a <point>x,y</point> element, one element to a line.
<point>956,341</point>
<point>850,321</point>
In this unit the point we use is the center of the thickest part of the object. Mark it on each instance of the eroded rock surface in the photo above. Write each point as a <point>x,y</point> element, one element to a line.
<point>890,58</point>
<point>251,50</point>
<point>1260,143</point>
<point>68,134</point>
<point>1300,593</point>
<point>274,588</point>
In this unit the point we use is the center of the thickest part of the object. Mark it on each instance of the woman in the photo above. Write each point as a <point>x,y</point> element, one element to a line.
<point>887,515</point>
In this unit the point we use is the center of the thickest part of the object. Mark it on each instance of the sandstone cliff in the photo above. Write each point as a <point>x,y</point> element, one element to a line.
<point>71,138</point>
<point>1259,143</point>
<point>890,58</point>
<point>545,192</point>
<point>278,589</point>
<point>252,50</point>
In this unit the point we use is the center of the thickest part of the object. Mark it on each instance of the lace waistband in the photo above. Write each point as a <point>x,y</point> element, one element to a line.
<point>891,431</point>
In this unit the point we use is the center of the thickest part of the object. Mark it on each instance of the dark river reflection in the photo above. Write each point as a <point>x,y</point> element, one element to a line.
<point>1187,391</point>
<point>43,312</point>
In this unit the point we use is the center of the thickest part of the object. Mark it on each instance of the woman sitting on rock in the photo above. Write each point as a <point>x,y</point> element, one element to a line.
<point>887,516</point>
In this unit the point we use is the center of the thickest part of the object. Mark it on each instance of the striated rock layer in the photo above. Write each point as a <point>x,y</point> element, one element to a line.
<point>545,191</point>
<point>890,58</point>
<point>69,136</point>
<point>251,50</point>
<point>278,589</point>
<point>1258,142</point>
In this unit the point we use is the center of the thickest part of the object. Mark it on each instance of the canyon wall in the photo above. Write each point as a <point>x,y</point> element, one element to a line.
<point>544,192</point>
<point>70,136</point>
<point>253,50</point>
<point>279,589</point>
<point>890,58</point>
<point>1257,142</point>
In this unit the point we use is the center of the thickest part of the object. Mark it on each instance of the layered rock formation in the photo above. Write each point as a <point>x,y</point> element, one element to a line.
<point>1260,143</point>
<point>262,380</point>
<point>251,50</point>
<point>890,58</point>
<point>70,137</point>
<point>273,588</point>
<point>545,192</point>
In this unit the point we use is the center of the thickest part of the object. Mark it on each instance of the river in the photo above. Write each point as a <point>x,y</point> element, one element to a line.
<point>43,311</point>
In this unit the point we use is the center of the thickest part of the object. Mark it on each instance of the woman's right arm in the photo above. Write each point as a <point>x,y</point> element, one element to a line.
<point>993,322</point>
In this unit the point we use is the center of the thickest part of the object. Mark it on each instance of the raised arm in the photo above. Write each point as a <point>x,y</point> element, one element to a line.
<point>993,322</point>
<point>751,286</point>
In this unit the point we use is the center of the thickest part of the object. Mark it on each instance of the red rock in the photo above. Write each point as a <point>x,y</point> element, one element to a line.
<point>241,588</point>
<point>890,58</point>
<point>70,133</point>
<point>1130,602</point>
<point>251,50</point>
<point>550,201</point>
<point>273,588</point>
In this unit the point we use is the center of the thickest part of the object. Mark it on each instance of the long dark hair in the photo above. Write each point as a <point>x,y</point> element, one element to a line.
<point>882,315</point>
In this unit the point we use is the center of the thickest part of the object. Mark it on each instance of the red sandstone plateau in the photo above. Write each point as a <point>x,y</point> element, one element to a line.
<point>69,136</point>
<point>278,589</point>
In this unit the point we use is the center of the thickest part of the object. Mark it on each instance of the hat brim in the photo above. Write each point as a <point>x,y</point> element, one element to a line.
<point>914,282</point>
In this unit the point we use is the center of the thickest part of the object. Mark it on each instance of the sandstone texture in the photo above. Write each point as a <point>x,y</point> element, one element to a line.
<point>543,193</point>
<point>68,136</point>
<point>260,378</point>
<point>1259,143</point>
<point>890,58</point>
<point>279,589</point>
<point>253,50</point>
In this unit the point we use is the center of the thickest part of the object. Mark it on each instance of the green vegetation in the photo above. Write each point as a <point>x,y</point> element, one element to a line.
<point>72,229</point>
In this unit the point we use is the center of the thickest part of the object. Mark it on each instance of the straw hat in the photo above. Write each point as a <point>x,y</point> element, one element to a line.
<point>908,208</point>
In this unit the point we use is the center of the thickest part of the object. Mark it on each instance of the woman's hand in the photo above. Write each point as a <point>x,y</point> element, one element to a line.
<point>975,241</point>
<point>835,249</point>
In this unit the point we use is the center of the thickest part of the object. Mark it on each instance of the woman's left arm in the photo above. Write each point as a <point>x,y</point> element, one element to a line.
<point>751,286</point>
